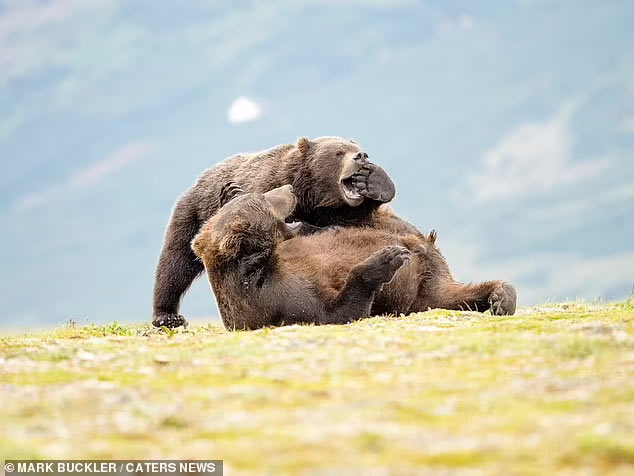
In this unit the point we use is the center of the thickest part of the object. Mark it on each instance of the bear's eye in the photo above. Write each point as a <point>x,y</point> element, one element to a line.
<point>340,153</point>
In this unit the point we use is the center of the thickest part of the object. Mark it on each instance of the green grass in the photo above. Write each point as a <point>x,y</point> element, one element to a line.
<point>548,391</point>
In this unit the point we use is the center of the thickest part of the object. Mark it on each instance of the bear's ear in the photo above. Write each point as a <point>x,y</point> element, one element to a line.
<point>303,144</point>
<point>282,201</point>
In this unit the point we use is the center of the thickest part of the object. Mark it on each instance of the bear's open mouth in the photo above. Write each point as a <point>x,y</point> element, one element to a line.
<point>349,189</point>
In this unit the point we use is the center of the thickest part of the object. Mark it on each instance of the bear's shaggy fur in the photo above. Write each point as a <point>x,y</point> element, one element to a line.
<point>334,182</point>
<point>263,274</point>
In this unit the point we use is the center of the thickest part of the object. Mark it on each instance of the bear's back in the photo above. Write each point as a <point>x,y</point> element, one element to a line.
<point>254,172</point>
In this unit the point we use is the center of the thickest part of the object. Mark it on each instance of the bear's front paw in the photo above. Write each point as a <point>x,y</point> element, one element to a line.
<point>503,300</point>
<point>229,191</point>
<point>372,182</point>
<point>170,321</point>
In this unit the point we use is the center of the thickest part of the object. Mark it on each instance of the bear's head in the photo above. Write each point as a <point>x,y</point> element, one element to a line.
<point>250,223</point>
<point>328,166</point>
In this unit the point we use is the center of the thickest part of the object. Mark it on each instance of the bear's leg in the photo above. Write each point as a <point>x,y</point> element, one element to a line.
<point>374,183</point>
<point>355,299</point>
<point>498,296</point>
<point>178,266</point>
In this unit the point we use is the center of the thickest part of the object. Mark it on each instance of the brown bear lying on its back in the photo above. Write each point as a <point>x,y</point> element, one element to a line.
<point>263,274</point>
<point>334,182</point>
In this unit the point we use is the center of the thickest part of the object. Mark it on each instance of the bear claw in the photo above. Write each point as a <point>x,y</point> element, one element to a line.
<point>228,192</point>
<point>171,321</point>
<point>503,300</point>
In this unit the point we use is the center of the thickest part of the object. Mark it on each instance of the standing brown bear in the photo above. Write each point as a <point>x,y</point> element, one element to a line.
<point>263,274</point>
<point>334,182</point>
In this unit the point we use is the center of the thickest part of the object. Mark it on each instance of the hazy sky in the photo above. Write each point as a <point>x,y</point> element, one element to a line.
<point>507,126</point>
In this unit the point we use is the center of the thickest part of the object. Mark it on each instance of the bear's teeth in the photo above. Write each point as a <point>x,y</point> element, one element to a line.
<point>349,190</point>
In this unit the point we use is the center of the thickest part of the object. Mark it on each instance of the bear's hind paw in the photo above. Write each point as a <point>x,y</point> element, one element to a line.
<point>503,300</point>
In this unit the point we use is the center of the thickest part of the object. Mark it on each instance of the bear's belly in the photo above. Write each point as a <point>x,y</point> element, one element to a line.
<point>326,259</point>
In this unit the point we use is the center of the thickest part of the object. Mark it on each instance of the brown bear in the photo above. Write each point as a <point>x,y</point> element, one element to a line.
<point>264,274</point>
<point>334,182</point>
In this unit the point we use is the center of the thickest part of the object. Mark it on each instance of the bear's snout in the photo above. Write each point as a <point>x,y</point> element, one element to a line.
<point>361,157</point>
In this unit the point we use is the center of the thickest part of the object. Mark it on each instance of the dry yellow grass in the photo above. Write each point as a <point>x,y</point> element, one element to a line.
<point>550,390</point>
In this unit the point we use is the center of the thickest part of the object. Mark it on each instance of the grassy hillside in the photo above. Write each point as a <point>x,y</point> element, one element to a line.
<point>551,389</point>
